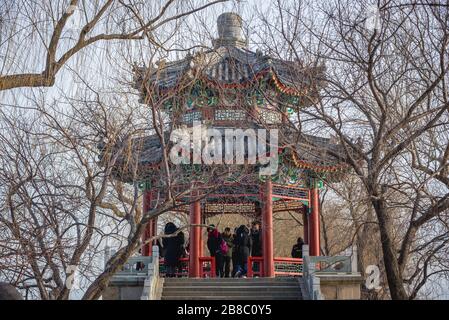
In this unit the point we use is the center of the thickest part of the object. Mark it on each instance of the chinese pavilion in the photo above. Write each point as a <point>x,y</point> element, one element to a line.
<point>230,86</point>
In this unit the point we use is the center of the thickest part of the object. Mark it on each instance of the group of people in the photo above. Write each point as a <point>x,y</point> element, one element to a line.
<point>228,248</point>
<point>234,248</point>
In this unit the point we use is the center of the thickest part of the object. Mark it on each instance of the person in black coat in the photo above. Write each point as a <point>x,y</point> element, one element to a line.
<point>256,249</point>
<point>214,240</point>
<point>243,248</point>
<point>234,253</point>
<point>297,248</point>
<point>173,248</point>
<point>256,237</point>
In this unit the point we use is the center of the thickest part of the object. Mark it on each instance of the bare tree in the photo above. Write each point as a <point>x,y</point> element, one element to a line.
<point>386,86</point>
<point>49,31</point>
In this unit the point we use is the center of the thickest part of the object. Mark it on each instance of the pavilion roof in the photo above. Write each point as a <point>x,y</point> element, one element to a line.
<point>317,154</point>
<point>232,67</point>
<point>230,64</point>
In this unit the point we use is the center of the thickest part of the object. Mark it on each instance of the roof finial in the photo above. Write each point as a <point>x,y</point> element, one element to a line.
<point>229,25</point>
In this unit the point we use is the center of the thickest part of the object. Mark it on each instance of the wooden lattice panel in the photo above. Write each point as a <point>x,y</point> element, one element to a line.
<point>230,115</point>
<point>192,116</point>
<point>290,192</point>
<point>287,205</point>
<point>230,207</point>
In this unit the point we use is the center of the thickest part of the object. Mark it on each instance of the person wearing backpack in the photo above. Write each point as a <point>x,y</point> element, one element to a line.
<point>217,248</point>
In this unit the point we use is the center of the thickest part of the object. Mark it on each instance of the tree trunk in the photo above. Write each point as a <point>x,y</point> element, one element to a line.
<point>394,276</point>
<point>97,287</point>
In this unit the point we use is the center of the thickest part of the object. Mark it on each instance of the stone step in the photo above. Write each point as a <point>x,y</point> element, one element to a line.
<point>253,298</point>
<point>230,293</point>
<point>287,279</point>
<point>231,285</point>
<point>232,288</point>
<point>296,294</point>
<point>232,282</point>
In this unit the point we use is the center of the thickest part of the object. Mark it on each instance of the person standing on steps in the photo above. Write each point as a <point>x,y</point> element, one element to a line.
<point>243,245</point>
<point>215,245</point>
<point>229,239</point>
<point>234,253</point>
<point>173,248</point>
<point>256,249</point>
<point>297,248</point>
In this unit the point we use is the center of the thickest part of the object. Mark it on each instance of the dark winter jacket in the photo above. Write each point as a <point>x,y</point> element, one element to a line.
<point>173,246</point>
<point>161,248</point>
<point>214,240</point>
<point>297,250</point>
<point>256,237</point>
<point>243,245</point>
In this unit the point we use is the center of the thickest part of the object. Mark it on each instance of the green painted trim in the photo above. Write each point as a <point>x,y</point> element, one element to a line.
<point>144,185</point>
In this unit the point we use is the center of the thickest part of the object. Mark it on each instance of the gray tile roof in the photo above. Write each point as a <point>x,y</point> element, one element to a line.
<point>312,149</point>
<point>229,65</point>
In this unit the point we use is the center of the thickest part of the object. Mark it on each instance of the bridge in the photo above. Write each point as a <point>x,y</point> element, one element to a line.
<point>310,278</point>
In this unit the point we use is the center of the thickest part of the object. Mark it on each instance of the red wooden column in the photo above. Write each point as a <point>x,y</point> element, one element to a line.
<point>314,235</point>
<point>267,230</point>
<point>203,221</point>
<point>153,223</point>
<point>195,240</point>
<point>150,228</point>
<point>305,221</point>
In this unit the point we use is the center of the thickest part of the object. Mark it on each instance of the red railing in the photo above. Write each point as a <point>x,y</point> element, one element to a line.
<point>291,267</point>
<point>255,261</point>
<point>207,267</point>
<point>181,271</point>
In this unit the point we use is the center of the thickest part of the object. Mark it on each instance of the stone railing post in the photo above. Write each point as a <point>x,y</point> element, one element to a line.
<point>305,250</point>
<point>316,289</point>
<point>155,261</point>
<point>311,277</point>
<point>311,281</point>
<point>150,286</point>
<point>354,259</point>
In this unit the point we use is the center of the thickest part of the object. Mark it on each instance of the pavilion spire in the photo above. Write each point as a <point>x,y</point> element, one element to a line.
<point>230,30</point>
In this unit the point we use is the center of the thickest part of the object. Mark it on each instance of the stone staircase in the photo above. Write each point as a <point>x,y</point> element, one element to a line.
<point>231,289</point>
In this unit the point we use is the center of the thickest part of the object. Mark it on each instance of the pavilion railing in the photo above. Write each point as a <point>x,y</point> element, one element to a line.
<point>335,264</point>
<point>283,267</point>
<point>181,271</point>
<point>288,267</point>
<point>136,266</point>
<point>255,267</point>
<point>207,267</point>
<point>314,266</point>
